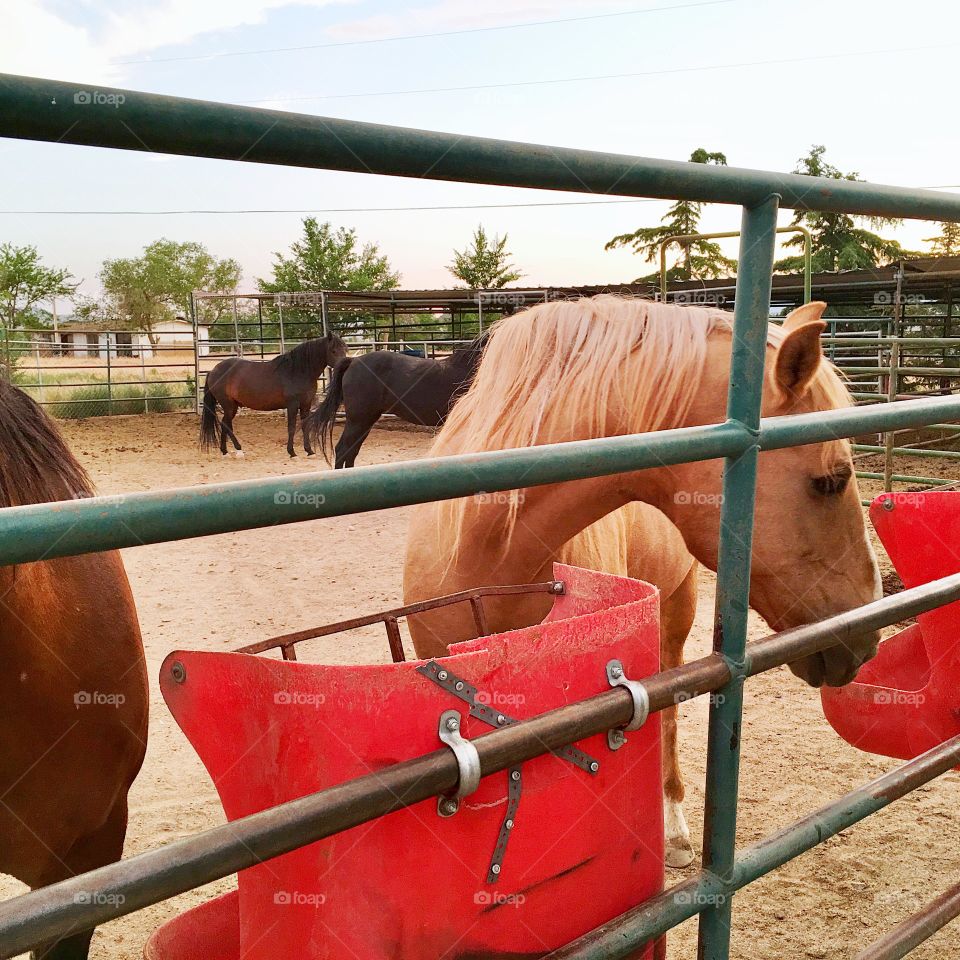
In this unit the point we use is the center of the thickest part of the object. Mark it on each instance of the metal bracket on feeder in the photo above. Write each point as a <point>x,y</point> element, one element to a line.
<point>641,704</point>
<point>468,763</point>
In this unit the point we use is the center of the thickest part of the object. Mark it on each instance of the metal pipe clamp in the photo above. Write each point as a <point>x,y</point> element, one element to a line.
<point>641,703</point>
<point>468,763</point>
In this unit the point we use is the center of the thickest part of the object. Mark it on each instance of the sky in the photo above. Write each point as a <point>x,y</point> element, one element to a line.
<point>759,80</point>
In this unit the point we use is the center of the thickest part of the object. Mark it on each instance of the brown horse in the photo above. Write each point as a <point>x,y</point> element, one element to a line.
<point>73,689</point>
<point>416,389</point>
<point>609,366</point>
<point>285,382</point>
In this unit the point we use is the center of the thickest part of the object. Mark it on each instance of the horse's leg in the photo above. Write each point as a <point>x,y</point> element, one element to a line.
<point>676,618</point>
<point>293,408</point>
<point>230,408</point>
<point>348,446</point>
<point>104,845</point>
<point>305,404</point>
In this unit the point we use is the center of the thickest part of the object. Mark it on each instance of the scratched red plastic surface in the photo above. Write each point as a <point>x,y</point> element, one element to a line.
<point>413,885</point>
<point>907,699</point>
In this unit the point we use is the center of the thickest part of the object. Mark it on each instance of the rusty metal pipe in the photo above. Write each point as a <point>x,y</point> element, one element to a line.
<point>920,926</point>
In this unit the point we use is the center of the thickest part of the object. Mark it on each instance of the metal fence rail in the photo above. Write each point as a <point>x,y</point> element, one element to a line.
<point>45,110</point>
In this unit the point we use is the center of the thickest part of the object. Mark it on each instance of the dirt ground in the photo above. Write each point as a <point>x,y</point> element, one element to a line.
<point>222,592</point>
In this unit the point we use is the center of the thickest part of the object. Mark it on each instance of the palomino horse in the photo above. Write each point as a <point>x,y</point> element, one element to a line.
<point>73,690</point>
<point>610,366</point>
<point>286,382</point>
<point>414,389</point>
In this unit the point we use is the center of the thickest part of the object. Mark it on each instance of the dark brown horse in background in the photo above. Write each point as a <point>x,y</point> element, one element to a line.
<point>285,382</point>
<point>414,389</point>
<point>73,688</point>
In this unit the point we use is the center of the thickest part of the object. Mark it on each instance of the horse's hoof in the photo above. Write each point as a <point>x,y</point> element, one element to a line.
<point>678,854</point>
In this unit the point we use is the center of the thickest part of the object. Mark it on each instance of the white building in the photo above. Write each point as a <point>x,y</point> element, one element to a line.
<point>72,339</point>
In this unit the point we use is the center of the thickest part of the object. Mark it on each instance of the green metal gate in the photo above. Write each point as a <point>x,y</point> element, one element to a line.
<point>62,112</point>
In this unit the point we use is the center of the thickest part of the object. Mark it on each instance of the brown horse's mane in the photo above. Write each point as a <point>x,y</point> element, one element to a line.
<point>36,466</point>
<point>306,358</point>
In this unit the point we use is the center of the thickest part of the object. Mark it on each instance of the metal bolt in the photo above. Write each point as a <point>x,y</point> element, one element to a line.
<point>594,767</point>
<point>617,736</point>
<point>501,718</point>
<point>888,503</point>
<point>616,672</point>
<point>515,775</point>
<point>178,671</point>
<point>453,723</point>
<point>459,685</point>
<point>495,868</point>
<point>509,824</point>
<point>557,587</point>
<point>442,675</point>
<point>450,807</point>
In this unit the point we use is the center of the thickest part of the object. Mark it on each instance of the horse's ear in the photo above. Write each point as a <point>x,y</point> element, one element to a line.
<point>808,313</point>
<point>799,354</point>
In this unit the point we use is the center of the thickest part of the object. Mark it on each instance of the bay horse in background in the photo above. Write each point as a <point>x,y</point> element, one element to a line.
<point>73,689</point>
<point>415,389</point>
<point>609,366</point>
<point>286,382</point>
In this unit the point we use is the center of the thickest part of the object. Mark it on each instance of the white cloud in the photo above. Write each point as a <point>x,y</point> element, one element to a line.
<point>39,42</point>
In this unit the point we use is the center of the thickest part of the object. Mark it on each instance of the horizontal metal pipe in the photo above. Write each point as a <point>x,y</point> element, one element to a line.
<point>57,111</point>
<point>907,478</point>
<point>910,933</point>
<point>121,888</point>
<point>44,531</point>
<point>619,938</point>
<point>908,451</point>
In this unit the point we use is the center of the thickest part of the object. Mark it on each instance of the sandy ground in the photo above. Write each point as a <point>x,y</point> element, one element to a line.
<point>221,592</point>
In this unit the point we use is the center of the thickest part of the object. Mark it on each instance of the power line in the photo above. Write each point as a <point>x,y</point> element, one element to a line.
<point>606,76</point>
<point>419,36</point>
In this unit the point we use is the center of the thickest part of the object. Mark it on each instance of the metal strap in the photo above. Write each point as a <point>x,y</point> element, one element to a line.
<point>468,760</point>
<point>514,785</point>
<point>641,703</point>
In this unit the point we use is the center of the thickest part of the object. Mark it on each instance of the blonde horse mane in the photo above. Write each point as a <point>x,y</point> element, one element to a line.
<point>594,367</point>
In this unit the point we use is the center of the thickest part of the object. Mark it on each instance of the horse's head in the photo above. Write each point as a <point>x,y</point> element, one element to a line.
<point>811,553</point>
<point>336,349</point>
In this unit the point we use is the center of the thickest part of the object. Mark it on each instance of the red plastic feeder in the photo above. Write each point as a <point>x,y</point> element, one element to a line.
<point>907,699</point>
<point>573,845</point>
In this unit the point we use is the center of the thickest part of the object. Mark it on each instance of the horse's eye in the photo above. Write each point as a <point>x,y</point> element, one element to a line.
<point>833,484</point>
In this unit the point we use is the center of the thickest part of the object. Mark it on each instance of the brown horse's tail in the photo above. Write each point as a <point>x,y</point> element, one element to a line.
<point>319,423</point>
<point>209,421</point>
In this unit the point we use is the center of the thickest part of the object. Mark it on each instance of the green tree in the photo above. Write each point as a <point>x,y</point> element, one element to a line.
<point>328,259</point>
<point>25,283</point>
<point>699,259</point>
<point>947,243</point>
<point>485,263</point>
<point>146,290</point>
<point>838,243</point>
